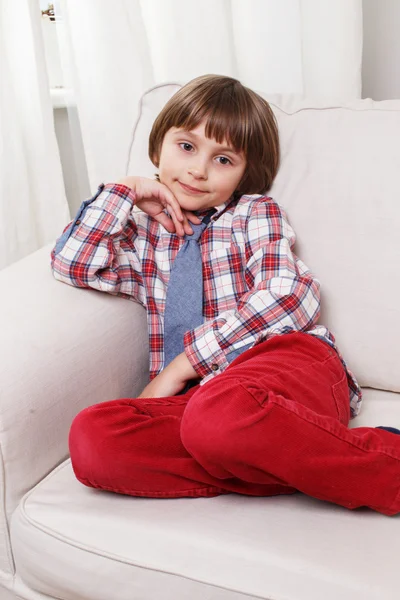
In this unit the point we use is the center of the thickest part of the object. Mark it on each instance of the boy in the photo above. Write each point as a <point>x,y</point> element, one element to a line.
<point>247,393</point>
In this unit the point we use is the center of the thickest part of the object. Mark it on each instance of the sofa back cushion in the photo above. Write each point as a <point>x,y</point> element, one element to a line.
<point>338,182</point>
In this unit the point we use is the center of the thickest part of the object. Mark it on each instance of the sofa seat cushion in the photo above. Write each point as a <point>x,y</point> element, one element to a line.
<point>74,542</point>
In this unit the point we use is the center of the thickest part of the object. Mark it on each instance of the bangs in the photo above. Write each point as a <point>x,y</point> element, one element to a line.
<point>224,121</point>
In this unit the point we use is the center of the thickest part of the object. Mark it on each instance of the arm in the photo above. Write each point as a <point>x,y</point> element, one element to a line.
<point>97,250</point>
<point>171,380</point>
<point>283,295</point>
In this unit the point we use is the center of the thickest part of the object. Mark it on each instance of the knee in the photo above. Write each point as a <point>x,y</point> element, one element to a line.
<point>84,434</point>
<point>206,429</point>
<point>221,413</point>
<point>92,440</point>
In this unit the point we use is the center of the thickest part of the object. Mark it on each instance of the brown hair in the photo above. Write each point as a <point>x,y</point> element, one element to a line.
<point>232,111</point>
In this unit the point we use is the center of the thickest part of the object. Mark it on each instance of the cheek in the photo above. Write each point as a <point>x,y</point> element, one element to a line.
<point>170,159</point>
<point>165,164</point>
<point>238,177</point>
<point>232,181</point>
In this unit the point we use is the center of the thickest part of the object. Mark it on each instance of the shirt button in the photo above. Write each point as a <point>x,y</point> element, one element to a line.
<point>215,367</point>
<point>77,222</point>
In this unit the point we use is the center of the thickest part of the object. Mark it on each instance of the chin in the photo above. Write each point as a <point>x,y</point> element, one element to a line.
<point>188,205</point>
<point>187,202</point>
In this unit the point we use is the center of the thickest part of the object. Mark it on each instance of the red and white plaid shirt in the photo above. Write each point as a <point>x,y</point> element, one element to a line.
<point>255,287</point>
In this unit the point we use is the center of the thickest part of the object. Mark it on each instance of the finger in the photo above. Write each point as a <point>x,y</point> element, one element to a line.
<point>192,217</point>
<point>179,229</point>
<point>186,225</point>
<point>165,221</point>
<point>174,211</point>
<point>179,226</point>
<point>172,202</point>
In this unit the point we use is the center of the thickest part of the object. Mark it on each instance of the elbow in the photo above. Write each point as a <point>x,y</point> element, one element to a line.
<point>309,302</point>
<point>67,273</point>
<point>301,305</point>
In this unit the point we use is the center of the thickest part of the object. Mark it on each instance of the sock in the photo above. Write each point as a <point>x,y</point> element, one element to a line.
<point>392,429</point>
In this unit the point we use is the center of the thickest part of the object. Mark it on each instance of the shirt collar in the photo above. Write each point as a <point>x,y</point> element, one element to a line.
<point>216,211</point>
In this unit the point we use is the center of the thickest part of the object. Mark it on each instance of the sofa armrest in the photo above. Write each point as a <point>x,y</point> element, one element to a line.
<point>62,349</point>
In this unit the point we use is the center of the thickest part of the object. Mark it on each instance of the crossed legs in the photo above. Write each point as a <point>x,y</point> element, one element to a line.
<point>275,422</point>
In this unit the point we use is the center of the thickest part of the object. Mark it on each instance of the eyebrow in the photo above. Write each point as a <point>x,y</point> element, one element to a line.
<point>222,149</point>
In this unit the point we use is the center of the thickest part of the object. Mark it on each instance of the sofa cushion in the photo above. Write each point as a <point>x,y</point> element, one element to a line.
<point>338,182</point>
<point>73,542</point>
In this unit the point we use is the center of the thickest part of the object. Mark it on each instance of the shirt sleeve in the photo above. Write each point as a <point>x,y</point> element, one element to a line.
<point>97,249</point>
<point>284,296</point>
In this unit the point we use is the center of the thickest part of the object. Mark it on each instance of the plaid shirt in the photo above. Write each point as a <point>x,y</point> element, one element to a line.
<point>255,287</point>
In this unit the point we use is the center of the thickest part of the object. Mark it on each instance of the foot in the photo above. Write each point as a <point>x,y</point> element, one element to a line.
<point>392,429</point>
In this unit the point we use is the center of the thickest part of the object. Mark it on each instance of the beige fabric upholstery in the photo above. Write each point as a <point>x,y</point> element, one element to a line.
<point>228,547</point>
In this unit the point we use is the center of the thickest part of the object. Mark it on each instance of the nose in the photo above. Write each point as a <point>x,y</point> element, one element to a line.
<point>198,172</point>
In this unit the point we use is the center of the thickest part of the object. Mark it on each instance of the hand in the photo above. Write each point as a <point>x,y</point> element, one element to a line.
<point>152,197</point>
<point>171,380</point>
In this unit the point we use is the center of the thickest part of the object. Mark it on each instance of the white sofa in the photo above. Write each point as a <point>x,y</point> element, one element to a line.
<point>63,349</point>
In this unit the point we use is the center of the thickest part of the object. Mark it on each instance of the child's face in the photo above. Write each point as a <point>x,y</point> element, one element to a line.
<point>192,159</point>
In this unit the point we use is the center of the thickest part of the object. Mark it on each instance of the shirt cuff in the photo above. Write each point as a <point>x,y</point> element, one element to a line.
<point>204,352</point>
<point>116,198</point>
<point>205,355</point>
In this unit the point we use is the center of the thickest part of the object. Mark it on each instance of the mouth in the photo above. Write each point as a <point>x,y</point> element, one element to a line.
<point>191,190</point>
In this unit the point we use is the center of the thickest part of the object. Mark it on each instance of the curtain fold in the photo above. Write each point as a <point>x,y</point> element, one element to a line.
<point>109,67</point>
<point>33,206</point>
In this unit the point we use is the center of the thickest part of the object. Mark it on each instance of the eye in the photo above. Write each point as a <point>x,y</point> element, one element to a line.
<point>186,149</point>
<point>185,144</point>
<point>225,158</point>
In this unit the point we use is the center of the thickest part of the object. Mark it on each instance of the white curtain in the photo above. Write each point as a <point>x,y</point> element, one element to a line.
<point>33,206</point>
<point>113,50</point>
<point>118,49</point>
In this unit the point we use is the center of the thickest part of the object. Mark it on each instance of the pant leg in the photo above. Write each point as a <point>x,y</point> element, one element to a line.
<point>282,409</point>
<point>132,446</point>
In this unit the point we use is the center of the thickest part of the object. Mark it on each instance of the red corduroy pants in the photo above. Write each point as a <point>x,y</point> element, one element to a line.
<point>274,422</point>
